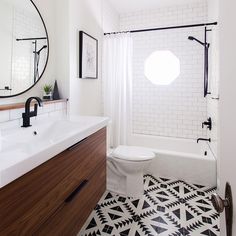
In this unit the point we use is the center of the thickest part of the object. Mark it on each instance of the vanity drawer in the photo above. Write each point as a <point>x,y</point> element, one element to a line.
<point>70,217</point>
<point>28,202</point>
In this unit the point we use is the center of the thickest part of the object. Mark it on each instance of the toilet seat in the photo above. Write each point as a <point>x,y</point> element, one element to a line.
<point>132,153</point>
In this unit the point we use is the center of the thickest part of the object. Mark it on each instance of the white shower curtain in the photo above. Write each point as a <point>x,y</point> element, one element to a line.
<point>117,81</point>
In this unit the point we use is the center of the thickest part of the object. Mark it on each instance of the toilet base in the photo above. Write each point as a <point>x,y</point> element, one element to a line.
<point>125,168</point>
<point>131,186</point>
<point>134,185</point>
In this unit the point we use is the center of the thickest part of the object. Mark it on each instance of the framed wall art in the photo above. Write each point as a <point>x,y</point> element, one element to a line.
<point>88,56</point>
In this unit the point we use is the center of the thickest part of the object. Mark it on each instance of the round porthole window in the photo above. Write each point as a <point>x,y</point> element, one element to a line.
<point>162,67</point>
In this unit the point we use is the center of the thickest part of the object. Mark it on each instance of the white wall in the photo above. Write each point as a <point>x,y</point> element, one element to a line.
<point>178,109</point>
<point>213,102</point>
<point>87,15</point>
<point>85,94</point>
<point>111,18</point>
<point>61,41</point>
<point>64,19</point>
<point>227,108</point>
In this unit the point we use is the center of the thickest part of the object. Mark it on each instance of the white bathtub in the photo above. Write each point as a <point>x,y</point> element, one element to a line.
<point>179,159</point>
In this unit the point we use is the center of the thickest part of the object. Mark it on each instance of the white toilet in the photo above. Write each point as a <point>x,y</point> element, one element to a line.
<point>125,167</point>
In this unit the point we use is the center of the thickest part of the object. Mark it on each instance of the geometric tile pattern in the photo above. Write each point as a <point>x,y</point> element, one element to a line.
<point>168,208</point>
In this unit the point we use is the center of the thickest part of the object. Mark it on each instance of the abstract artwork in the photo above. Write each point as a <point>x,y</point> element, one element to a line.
<point>88,56</point>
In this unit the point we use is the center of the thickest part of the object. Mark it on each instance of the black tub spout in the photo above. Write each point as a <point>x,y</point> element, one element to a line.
<point>204,139</point>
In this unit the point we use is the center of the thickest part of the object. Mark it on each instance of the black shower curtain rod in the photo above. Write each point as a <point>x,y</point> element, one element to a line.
<point>31,39</point>
<point>164,28</point>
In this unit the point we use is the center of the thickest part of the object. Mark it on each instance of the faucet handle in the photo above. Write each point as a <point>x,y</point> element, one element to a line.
<point>208,123</point>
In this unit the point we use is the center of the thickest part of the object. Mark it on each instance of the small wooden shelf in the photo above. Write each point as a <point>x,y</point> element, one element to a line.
<point>14,106</point>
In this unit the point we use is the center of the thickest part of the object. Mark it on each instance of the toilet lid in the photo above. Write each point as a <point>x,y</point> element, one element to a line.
<point>131,153</point>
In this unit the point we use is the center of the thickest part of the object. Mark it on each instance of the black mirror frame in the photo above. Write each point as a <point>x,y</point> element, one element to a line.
<point>15,95</point>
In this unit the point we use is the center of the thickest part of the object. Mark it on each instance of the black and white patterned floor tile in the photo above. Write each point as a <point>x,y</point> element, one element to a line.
<point>168,208</point>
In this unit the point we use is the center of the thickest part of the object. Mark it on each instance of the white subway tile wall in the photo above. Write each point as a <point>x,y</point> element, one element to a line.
<point>25,25</point>
<point>178,109</point>
<point>13,118</point>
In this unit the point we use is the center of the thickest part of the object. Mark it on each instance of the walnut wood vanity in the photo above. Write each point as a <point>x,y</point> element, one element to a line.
<point>56,197</point>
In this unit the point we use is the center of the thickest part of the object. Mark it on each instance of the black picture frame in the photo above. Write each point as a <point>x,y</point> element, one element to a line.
<point>88,56</point>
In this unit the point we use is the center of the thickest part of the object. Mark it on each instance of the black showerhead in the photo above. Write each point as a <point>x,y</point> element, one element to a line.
<point>191,38</point>
<point>194,39</point>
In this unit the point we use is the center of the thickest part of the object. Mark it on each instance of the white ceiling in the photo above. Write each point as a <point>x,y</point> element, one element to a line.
<point>124,6</point>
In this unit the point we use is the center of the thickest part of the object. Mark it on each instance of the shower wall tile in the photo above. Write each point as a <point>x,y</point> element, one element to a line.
<point>178,109</point>
<point>25,24</point>
<point>166,16</point>
<point>16,114</point>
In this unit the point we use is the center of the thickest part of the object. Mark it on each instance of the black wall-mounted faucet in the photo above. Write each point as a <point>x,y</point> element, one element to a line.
<point>207,123</point>
<point>28,114</point>
<point>204,139</point>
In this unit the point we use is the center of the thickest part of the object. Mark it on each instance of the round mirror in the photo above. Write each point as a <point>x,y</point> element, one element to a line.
<point>24,47</point>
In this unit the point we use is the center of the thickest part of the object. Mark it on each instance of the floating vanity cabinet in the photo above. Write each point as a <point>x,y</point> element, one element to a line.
<point>56,197</point>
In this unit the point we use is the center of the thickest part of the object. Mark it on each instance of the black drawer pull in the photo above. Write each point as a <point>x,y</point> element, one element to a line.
<point>76,145</point>
<point>76,191</point>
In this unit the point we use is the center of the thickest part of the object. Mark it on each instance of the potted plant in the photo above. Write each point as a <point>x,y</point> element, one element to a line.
<point>47,92</point>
